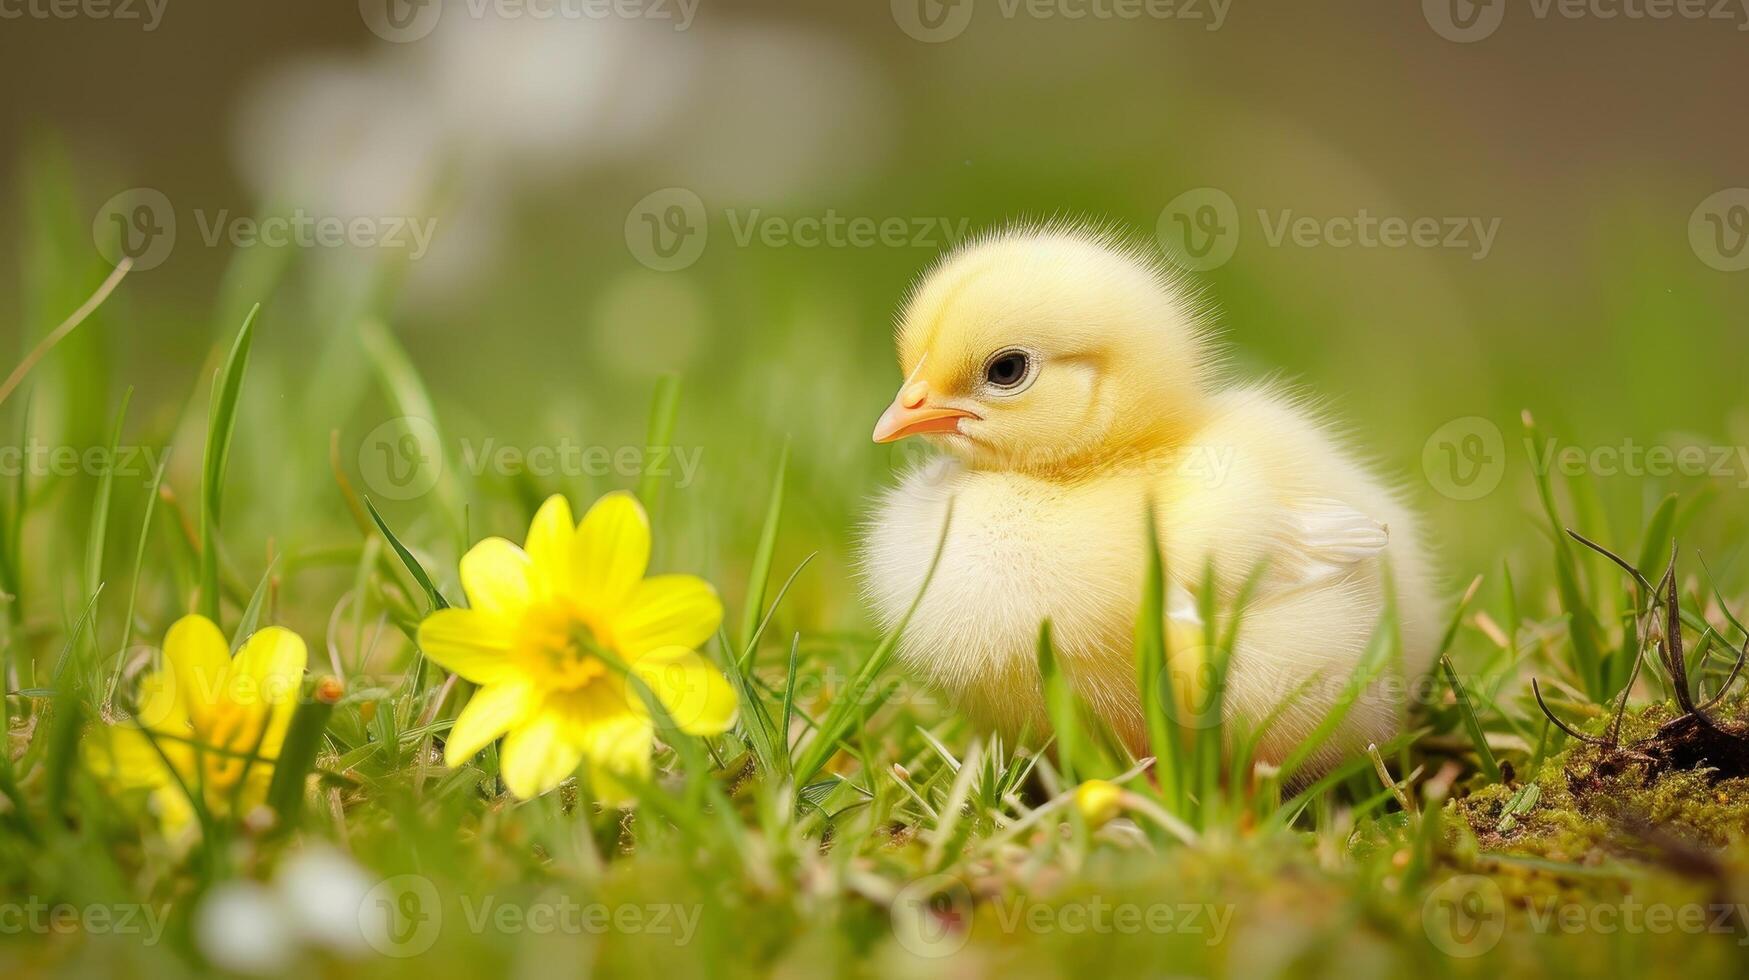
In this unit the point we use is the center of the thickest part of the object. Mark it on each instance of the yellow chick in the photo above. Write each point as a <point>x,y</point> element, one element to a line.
<point>1072,379</point>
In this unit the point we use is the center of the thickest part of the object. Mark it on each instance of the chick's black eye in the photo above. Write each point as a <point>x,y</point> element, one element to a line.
<point>1007,370</point>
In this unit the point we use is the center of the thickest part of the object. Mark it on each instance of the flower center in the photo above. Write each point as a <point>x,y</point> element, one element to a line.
<point>228,734</point>
<point>562,646</point>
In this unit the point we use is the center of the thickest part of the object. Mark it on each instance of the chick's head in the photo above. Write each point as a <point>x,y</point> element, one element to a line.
<point>1043,348</point>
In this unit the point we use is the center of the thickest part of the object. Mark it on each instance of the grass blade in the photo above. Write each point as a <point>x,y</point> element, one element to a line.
<point>1153,651</point>
<point>127,623</point>
<point>755,719</point>
<point>660,435</point>
<point>406,391</point>
<point>297,754</point>
<point>221,425</point>
<point>844,710</point>
<point>1582,627</point>
<point>760,574</point>
<point>413,567</point>
<point>247,622</point>
<point>66,327</point>
<point>98,528</point>
<point>1659,531</point>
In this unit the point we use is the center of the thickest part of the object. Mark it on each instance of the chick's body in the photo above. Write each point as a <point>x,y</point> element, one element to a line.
<point>1050,487</point>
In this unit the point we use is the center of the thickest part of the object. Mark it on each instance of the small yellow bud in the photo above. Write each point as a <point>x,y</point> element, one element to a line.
<point>1098,801</point>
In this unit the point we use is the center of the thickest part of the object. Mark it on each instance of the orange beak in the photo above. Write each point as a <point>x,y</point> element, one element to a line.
<point>911,413</point>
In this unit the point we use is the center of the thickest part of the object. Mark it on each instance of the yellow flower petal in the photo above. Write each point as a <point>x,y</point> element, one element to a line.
<point>498,577</point>
<point>551,537</point>
<point>492,711</point>
<point>696,695</point>
<point>159,704</point>
<point>538,755</point>
<point>174,811</point>
<point>617,750</point>
<point>123,753</point>
<point>266,677</point>
<point>664,611</point>
<point>610,553</point>
<point>269,668</point>
<point>470,643</point>
<point>196,660</point>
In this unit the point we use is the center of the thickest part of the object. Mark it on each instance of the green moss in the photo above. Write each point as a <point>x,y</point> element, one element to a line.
<point>1591,805</point>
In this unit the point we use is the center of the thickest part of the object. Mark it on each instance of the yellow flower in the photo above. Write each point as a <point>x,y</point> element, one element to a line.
<point>542,616</point>
<point>1099,801</point>
<point>218,722</point>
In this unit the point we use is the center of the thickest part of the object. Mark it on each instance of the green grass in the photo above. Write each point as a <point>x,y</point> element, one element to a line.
<point>851,823</point>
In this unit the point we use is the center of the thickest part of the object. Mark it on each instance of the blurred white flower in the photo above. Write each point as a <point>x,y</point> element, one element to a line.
<point>544,96</point>
<point>342,138</point>
<point>481,98</point>
<point>314,901</point>
<point>241,927</point>
<point>322,891</point>
<point>453,124</point>
<point>780,114</point>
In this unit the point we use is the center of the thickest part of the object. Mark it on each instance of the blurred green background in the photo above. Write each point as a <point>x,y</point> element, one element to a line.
<point>535,144</point>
